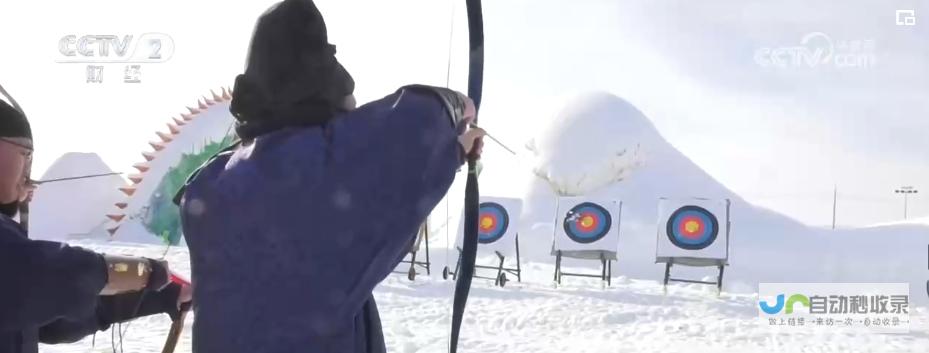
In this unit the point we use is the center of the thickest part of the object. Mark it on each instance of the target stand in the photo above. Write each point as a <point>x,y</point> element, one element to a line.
<point>693,262</point>
<point>693,232</point>
<point>421,236</point>
<point>606,271</point>
<point>500,278</point>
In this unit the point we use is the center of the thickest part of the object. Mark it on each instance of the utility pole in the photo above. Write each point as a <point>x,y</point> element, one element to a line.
<point>906,191</point>
<point>835,197</point>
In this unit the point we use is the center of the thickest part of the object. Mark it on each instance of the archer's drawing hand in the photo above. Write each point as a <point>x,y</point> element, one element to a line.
<point>472,140</point>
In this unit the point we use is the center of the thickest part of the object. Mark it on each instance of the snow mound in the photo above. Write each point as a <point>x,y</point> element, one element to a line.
<point>74,208</point>
<point>602,145</point>
<point>593,142</point>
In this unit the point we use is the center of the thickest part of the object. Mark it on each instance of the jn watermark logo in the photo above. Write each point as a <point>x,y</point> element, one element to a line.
<point>817,50</point>
<point>130,50</point>
<point>872,307</point>
<point>906,17</point>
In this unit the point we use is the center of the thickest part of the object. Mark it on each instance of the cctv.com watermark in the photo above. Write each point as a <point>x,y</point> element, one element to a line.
<point>123,53</point>
<point>818,50</point>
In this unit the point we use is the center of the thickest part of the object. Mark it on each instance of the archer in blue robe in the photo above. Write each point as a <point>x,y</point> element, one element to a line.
<point>290,231</point>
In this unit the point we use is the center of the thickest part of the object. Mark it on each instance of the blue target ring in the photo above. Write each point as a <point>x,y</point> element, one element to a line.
<point>587,222</point>
<point>692,228</point>
<point>493,221</point>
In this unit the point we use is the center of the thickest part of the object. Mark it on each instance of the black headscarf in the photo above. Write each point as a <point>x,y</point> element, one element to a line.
<point>13,123</point>
<point>292,77</point>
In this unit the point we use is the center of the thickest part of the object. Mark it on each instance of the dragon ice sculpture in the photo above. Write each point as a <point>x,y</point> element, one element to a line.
<point>148,214</point>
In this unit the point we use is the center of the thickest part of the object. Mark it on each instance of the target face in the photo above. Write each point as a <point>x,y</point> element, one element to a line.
<point>493,221</point>
<point>587,223</point>
<point>692,228</point>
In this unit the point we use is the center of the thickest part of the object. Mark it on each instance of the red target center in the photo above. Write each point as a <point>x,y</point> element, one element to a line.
<point>692,227</point>
<point>587,222</point>
<point>488,222</point>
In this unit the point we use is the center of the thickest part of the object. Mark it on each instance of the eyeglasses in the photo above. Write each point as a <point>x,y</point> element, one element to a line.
<point>29,149</point>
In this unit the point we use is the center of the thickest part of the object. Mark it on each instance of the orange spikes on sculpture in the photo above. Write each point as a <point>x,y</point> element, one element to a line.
<point>112,230</point>
<point>227,93</point>
<point>216,97</point>
<point>121,205</point>
<point>129,190</point>
<point>141,167</point>
<point>179,122</point>
<point>188,117</point>
<point>174,129</point>
<point>202,105</point>
<point>164,137</point>
<point>136,178</point>
<point>193,110</point>
<point>148,156</point>
<point>158,146</point>
<point>116,217</point>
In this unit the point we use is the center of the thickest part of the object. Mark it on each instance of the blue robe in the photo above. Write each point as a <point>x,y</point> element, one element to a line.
<point>290,234</point>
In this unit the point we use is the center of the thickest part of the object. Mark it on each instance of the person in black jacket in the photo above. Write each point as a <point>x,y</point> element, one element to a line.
<point>55,293</point>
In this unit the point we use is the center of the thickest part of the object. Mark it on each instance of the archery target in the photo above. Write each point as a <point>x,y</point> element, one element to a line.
<point>498,224</point>
<point>492,223</point>
<point>587,224</point>
<point>692,228</point>
<point>696,228</point>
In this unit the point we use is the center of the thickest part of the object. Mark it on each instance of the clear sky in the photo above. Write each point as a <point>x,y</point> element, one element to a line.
<point>730,83</point>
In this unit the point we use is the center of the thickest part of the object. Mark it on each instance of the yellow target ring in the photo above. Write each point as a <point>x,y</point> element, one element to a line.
<point>692,226</point>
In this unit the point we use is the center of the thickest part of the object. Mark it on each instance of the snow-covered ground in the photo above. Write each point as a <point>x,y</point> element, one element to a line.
<point>534,316</point>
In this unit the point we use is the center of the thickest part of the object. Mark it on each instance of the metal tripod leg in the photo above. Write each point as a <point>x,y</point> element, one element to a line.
<point>667,274</point>
<point>428,263</point>
<point>457,267</point>
<point>719,280</point>
<point>412,263</point>
<point>609,272</point>
<point>602,267</point>
<point>519,271</point>
<point>499,269</point>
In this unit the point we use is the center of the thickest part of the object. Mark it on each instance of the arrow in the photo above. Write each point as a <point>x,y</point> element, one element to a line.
<point>40,182</point>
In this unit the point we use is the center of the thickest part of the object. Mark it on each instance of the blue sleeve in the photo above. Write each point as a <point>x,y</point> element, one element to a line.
<point>44,281</point>
<point>112,309</point>
<point>409,158</point>
<point>69,330</point>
